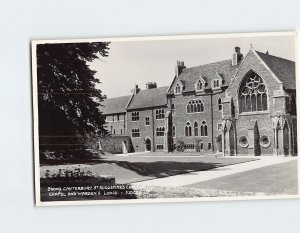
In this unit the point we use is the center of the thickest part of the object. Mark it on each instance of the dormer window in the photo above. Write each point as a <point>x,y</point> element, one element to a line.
<point>199,86</point>
<point>177,89</point>
<point>217,83</point>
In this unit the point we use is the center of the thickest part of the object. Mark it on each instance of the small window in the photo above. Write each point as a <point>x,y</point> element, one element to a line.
<point>160,131</point>
<point>189,146</point>
<point>135,116</point>
<point>219,127</point>
<point>216,83</point>
<point>136,133</point>
<point>220,106</point>
<point>160,113</point>
<point>118,117</point>
<point>114,131</point>
<point>113,118</point>
<point>201,146</point>
<point>199,86</point>
<point>159,147</point>
<point>174,131</point>
<point>147,120</point>
<point>209,146</point>
<point>121,131</point>
<point>177,89</point>
<point>173,109</point>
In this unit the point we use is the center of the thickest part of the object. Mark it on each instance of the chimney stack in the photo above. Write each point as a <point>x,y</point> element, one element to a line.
<point>179,67</point>
<point>136,89</point>
<point>237,56</point>
<point>151,85</point>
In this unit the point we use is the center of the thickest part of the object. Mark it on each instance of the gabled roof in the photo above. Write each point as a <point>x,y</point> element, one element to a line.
<point>149,98</point>
<point>208,71</point>
<point>115,105</point>
<point>283,69</point>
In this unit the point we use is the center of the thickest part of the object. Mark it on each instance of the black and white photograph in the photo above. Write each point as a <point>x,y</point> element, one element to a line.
<point>165,119</point>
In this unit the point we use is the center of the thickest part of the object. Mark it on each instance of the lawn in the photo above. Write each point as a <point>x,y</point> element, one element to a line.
<point>134,168</point>
<point>275,179</point>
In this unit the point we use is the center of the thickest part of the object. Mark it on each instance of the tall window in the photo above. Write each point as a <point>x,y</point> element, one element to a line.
<point>136,133</point>
<point>160,131</point>
<point>188,129</point>
<point>253,94</point>
<point>199,86</point>
<point>177,88</point>
<point>173,131</point>
<point>147,120</point>
<point>114,131</point>
<point>203,129</point>
<point>160,113</point>
<point>220,104</point>
<point>135,116</point>
<point>173,109</point>
<point>196,131</point>
<point>194,106</point>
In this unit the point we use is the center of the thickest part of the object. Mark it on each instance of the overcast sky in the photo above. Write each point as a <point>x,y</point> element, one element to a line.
<point>138,62</point>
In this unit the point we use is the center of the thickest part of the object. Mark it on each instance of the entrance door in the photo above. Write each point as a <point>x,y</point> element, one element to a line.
<point>148,144</point>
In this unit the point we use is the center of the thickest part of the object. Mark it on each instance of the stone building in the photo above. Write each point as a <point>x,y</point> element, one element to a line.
<point>245,105</point>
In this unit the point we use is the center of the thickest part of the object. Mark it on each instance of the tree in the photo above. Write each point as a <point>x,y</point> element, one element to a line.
<point>68,100</point>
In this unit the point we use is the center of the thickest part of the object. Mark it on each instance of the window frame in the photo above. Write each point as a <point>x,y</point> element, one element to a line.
<point>160,114</point>
<point>147,120</point>
<point>135,133</point>
<point>264,98</point>
<point>135,116</point>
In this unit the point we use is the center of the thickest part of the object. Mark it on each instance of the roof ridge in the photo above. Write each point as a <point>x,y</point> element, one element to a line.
<point>192,67</point>
<point>117,97</point>
<point>274,56</point>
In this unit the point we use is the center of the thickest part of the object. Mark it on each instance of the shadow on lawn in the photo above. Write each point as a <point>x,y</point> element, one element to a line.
<point>159,169</point>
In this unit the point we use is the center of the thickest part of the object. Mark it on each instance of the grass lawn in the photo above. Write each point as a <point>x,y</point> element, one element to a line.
<point>133,168</point>
<point>275,179</point>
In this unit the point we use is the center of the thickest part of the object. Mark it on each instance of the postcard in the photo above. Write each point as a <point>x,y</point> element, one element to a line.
<point>165,118</point>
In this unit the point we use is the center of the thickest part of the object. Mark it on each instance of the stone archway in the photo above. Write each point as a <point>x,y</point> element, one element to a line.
<point>124,147</point>
<point>147,144</point>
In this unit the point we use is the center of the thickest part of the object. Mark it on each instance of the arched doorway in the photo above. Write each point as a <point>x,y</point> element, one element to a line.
<point>148,144</point>
<point>124,147</point>
<point>285,139</point>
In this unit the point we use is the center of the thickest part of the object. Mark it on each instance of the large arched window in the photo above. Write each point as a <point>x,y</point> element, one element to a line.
<point>203,129</point>
<point>195,106</point>
<point>253,94</point>
<point>188,129</point>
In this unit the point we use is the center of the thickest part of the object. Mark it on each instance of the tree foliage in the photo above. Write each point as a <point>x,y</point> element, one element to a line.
<point>68,100</point>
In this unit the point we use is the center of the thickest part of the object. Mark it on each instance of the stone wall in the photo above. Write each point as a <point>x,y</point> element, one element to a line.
<point>111,143</point>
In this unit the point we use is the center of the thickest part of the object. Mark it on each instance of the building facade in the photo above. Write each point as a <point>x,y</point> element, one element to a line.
<point>245,105</point>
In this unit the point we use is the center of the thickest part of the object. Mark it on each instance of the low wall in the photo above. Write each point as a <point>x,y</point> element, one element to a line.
<point>110,143</point>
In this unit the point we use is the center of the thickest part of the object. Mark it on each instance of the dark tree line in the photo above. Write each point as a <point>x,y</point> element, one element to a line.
<point>68,100</point>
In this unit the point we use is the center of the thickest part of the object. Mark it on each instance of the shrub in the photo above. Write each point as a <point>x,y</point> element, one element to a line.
<point>180,146</point>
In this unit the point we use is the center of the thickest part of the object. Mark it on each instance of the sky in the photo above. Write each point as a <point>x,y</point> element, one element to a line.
<point>139,62</point>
